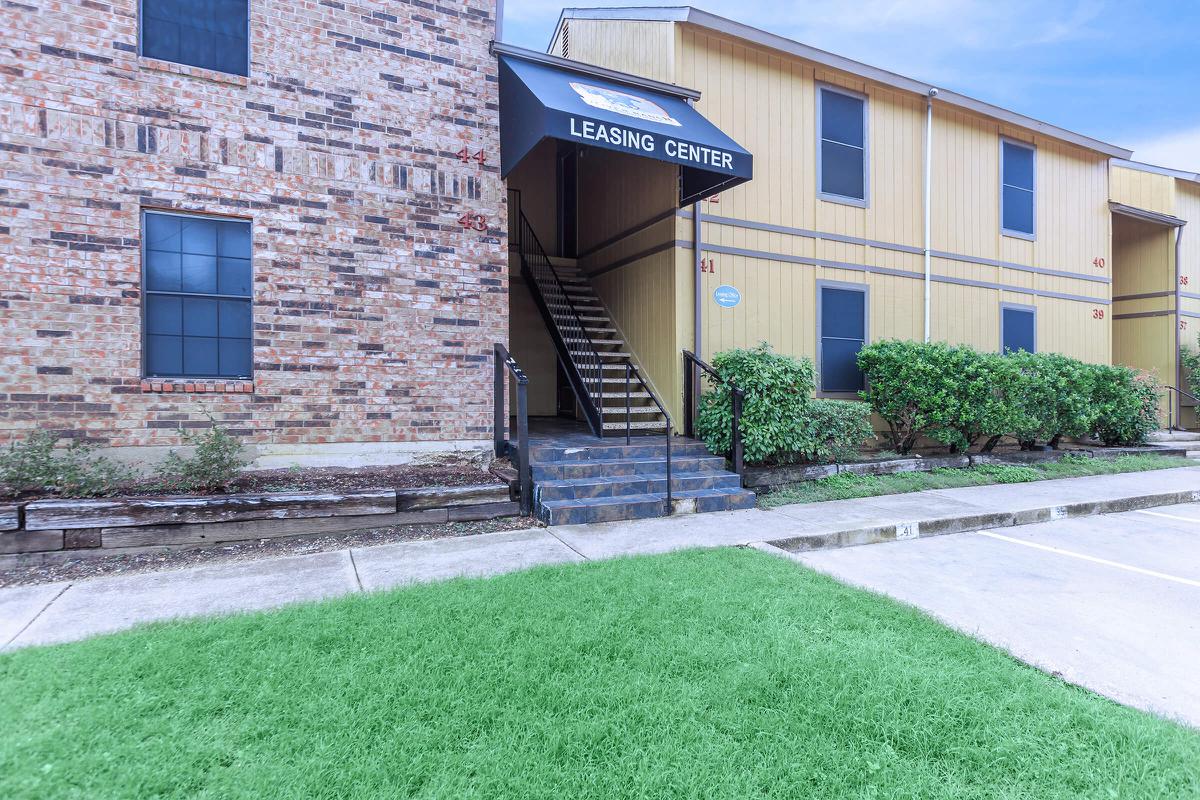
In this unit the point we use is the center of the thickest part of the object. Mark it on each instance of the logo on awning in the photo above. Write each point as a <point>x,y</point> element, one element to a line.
<point>630,105</point>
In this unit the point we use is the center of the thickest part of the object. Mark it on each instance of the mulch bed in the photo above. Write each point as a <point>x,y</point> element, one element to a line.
<point>156,561</point>
<point>340,479</point>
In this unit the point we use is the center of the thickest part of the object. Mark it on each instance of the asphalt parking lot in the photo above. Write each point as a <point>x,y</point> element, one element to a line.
<point>1107,602</point>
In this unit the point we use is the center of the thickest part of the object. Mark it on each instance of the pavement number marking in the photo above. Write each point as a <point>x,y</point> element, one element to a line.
<point>908,530</point>
<point>1093,559</point>
<point>1058,512</point>
<point>1169,516</point>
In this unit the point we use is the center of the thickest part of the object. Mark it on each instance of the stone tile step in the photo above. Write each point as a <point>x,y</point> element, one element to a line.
<point>641,506</point>
<point>623,485</point>
<point>577,470</point>
<point>634,411</point>
<point>621,396</point>
<point>654,424</point>
<point>602,353</point>
<point>616,450</point>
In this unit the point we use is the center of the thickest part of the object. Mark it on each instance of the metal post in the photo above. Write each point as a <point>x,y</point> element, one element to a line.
<point>738,455</point>
<point>628,406</point>
<point>689,423</point>
<point>499,420</point>
<point>526,474</point>
<point>670,502</point>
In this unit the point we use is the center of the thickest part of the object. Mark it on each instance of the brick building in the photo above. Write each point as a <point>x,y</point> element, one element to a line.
<point>251,210</point>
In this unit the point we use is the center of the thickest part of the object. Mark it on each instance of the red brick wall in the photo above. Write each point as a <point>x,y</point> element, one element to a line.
<point>374,313</point>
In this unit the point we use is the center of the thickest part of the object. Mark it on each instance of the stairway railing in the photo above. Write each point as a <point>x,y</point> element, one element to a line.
<point>507,365</point>
<point>1171,392</point>
<point>691,398</point>
<point>631,371</point>
<point>583,365</point>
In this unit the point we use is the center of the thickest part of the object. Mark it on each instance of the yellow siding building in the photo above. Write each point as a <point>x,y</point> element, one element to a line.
<point>1029,235</point>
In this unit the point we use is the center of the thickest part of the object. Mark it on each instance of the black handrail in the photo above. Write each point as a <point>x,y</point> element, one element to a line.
<point>506,364</point>
<point>632,370</point>
<point>585,368</point>
<point>1175,390</point>
<point>691,398</point>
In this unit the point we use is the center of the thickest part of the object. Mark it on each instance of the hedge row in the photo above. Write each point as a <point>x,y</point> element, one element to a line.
<point>781,422</point>
<point>959,396</point>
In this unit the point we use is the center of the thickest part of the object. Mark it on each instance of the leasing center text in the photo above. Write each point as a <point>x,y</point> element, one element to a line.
<point>645,142</point>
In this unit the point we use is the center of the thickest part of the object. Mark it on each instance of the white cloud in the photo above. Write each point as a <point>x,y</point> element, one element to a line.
<point>1175,150</point>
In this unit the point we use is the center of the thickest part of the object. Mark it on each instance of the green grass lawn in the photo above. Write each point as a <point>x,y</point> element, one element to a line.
<point>716,674</point>
<point>848,485</point>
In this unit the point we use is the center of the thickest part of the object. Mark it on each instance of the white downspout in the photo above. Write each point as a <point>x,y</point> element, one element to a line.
<point>928,197</point>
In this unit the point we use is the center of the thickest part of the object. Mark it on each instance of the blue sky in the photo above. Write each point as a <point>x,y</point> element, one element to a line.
<point>1124,72</point>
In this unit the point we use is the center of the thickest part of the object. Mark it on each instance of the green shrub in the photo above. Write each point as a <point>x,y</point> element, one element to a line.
<point>912,386</point>
<point>780,419</point>
<point>1050,397</point>
<point>1125,405</point>
<point>36,465</point>
<point>975,403</point>
<point>212,466</point>
<point>836,429</point>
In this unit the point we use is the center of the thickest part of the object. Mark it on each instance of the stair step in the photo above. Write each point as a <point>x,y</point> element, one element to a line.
<point>641,506</point>
<point>623,485</point>
<point>602,353</point>
<point>613,450</point>
<point>635,426</point>
<point>598,467</point>
<point>621,396</point>
<point>635,411</point>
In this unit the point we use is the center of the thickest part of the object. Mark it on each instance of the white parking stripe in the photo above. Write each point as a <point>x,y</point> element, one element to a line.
<point>1169,516</point>
<point>1093,559</point>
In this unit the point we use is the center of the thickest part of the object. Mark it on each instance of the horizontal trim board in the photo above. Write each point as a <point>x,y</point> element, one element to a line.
<point>1141,314</point>
<point>899,248</point>
<point>899,273</point>
<point>1146,296</point>
<point>624,262</point>
<point>625,234</point>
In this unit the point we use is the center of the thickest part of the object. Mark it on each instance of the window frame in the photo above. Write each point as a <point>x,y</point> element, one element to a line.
<point>1031,309</point>
<point>145,293</point>
<point>865,290</point>
<point>1031,147</point>
<point>865,202</point>
<point>141,37</point>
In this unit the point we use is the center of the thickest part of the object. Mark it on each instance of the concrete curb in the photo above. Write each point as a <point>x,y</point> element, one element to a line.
<point>938,526</point>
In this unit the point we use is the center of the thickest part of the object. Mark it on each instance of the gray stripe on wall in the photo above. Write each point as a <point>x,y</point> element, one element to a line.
<point>900,273</point>
<point>899,248</point>
<point>1146,296</point>
<point>1140,314</point>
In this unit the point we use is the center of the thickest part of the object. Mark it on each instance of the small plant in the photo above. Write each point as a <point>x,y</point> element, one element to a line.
<point>37,465</point>
<point>1190,359</point>
<point>214,463</point>
<point>836,429</point>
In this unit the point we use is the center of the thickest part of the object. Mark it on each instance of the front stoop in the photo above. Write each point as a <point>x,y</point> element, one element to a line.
<point>607,483</point>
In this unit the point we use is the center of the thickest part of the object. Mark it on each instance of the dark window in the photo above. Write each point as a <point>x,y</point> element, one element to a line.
<point>843,154</point>
<point>1016,200</point>
<point>213,34</point>
<point>197,288</point>
<point>843,331</point>
<point>1017,327</point>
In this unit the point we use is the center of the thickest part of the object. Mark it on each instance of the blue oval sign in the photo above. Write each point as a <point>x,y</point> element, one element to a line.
<point>726,296</point>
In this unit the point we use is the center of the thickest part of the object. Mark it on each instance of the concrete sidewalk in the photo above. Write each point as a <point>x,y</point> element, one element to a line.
<point>68,611</point>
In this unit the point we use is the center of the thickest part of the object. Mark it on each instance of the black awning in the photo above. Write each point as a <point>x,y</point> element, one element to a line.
<point>540,100</point>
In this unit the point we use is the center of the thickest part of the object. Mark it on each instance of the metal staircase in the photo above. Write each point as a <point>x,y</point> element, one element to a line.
<point>603,372</point>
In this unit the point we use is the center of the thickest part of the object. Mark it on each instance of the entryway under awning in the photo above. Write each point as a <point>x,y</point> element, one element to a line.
<point>596,164</point>
<point>1147,326</point>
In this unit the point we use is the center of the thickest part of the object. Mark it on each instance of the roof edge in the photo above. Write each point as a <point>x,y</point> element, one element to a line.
<point>713,22</point>
<point>1170,173</point>
<point>1146,216</point>
<point>503,49</point>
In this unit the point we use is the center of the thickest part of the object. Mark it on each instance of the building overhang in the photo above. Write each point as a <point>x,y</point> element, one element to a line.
<point>546,97</point>
<point>1145,216</point>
